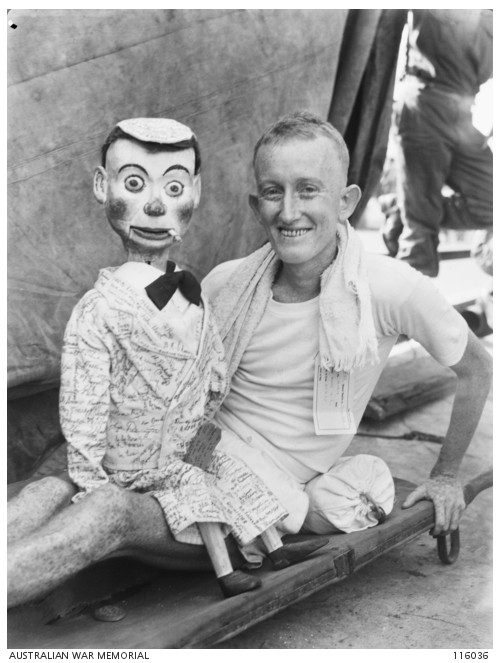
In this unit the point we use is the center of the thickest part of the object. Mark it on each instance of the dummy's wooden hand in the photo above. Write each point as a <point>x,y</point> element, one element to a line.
<point>447,495</point>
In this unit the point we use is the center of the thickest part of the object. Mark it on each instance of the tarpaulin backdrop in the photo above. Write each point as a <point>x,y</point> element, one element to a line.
<point>227,74</point>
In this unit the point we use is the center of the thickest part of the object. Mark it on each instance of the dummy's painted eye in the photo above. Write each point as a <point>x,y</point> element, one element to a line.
<point>134,183</point>
<point>174,188</point>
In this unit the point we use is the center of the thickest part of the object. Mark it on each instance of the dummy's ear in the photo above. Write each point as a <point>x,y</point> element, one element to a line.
<point>197,190</point>
<point>253,201</point>
<point>100,185</point>
<point>349,199</point>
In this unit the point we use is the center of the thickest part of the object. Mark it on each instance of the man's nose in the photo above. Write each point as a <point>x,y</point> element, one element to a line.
<point>289,208</point>
<point>154,207</point>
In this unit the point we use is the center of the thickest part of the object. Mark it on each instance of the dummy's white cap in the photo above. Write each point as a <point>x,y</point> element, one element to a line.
<point>156,130</point>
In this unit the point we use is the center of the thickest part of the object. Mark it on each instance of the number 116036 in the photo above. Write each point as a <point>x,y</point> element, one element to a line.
<point>470,655</point>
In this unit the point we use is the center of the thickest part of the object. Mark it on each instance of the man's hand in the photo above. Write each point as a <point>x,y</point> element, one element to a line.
<point>474,372</point>
<point>447,495</point>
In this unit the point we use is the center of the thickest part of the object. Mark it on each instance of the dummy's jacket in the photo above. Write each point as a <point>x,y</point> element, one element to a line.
<point>133,396</point>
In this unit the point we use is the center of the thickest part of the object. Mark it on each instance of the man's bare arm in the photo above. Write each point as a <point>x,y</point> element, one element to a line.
<point>474,372</point>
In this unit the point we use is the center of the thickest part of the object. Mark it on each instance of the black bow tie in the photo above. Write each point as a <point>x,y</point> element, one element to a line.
<point>161,290</point>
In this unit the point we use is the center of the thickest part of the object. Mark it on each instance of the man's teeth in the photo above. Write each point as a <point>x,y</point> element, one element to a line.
<point>293,233</point>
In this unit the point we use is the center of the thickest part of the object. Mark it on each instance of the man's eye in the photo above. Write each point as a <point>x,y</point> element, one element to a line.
<point>134,183</point>
<point>271,194</point>
<point>174,188</point>
<point>307,191</point>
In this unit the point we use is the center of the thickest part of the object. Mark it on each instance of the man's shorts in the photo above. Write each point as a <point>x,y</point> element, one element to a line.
<point>339,500</point>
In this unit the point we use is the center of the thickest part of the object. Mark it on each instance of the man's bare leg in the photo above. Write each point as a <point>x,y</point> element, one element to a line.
<point>35,505</point>
<point>106,522</point>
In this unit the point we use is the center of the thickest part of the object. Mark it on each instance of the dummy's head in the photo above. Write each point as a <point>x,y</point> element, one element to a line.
<point>149,183</point>
<point>300,166</point>
<point>190,141</point>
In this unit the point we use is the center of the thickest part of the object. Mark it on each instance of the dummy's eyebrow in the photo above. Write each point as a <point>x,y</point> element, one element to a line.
<point>133,165</point>
<point>177,166</point>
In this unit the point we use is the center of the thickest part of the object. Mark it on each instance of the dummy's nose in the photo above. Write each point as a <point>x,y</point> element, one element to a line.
<point>289,209</point>
<point>154,208</point>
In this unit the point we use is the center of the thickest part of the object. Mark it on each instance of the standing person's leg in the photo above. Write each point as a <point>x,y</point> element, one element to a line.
<point>471,176</point>
<point>471,207</point>
<point>109,521</point>
<point>423,160</point>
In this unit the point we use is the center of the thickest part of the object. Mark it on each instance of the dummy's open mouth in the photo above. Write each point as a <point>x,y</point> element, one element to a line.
<point>153,233</point>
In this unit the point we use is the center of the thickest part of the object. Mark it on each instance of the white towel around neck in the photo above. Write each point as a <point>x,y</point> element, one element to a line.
<point>347,338</point>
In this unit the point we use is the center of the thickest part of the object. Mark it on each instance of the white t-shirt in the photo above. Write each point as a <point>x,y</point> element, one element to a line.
<point>270,405</point>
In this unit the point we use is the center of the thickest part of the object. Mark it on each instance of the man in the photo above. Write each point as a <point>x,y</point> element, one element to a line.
<point>449,56</point>
<point>309,319</point>
<point>142,369</point>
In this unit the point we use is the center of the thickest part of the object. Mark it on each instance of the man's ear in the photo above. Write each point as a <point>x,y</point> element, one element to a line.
<point>349,198</point>
<point>100,185</point>
<point>197,190</point>
<point>253,201</point>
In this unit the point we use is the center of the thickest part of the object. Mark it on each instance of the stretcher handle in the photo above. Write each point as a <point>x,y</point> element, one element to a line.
<point>448,555</point>
<point>478,484</point>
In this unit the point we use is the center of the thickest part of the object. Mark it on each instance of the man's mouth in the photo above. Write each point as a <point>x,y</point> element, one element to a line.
<point>298,232</point>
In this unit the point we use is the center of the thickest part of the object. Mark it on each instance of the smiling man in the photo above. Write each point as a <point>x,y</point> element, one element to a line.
<point>308,321</point>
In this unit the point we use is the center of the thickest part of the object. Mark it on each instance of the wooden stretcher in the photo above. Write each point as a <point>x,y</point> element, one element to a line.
<point>186,610</point>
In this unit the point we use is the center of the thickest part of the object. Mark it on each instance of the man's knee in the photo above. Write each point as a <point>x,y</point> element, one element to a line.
<point>128,517</point>
<point>111,505</point>
<point>466,213</point>
<point>57,489</point>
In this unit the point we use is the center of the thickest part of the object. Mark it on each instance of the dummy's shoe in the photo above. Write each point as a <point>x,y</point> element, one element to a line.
<point>291,553</point>
<point>238,582</point>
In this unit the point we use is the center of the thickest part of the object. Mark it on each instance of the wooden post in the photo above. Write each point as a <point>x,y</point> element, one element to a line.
<point>271,539</point>
<point>212,536</point>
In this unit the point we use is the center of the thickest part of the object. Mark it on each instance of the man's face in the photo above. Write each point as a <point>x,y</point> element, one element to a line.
<point>147,194</point>
<point>300,198</point>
